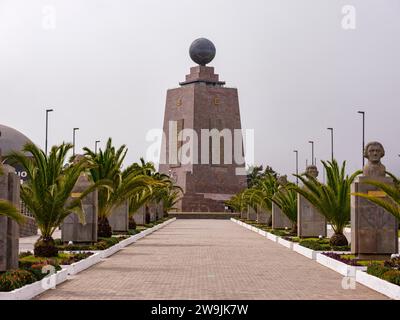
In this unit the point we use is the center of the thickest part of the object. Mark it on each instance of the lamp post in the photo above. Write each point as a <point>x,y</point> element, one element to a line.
<point>47,128</point>
<point>331,130</point>
<point>312,151</point>
<point>363,135</point>
<point>73,140</point>
<point>95,146</point>
<point>297,165</point>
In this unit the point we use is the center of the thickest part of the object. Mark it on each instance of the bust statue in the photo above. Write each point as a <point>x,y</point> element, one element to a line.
<point>374,152</point>
<point>312,171</point>
<point>282,181</point>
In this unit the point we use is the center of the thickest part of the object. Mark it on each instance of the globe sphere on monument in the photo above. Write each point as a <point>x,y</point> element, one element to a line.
<point>202,51</point>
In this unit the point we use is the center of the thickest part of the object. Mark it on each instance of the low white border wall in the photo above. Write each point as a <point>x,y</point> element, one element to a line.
<point>31,290</point>
<point>382,286</point>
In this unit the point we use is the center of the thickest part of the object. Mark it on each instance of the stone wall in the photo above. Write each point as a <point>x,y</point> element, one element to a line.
<point>29,228</point>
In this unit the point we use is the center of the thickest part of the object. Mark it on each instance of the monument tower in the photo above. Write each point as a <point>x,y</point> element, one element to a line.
<point>203,116</point>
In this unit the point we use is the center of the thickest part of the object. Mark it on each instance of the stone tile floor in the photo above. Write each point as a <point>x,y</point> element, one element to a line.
<point>207,259</point>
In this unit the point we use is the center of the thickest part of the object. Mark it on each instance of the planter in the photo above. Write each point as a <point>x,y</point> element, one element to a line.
<point>344,269</point>
<point>309,253</point>
<point>285,243</point>
<point>83,264</point>
<point>272,237</point>
<point>31,290</point>
<point>382,286</point>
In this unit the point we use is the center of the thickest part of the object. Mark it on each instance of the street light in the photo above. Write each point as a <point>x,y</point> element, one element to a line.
<point>95,146</point>
<point>297,165</point>
<point>312,151</point>
<point>363,136</point>
<point>331,130</point>
<point>73,140</point>
<point>47,128</point>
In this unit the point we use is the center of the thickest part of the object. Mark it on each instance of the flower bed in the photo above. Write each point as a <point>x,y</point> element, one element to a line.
<point>335,261</point>
<point>28,290</point>
<point>375,283</point>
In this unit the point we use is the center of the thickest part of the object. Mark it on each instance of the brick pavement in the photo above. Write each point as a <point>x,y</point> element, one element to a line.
<point>207,259</point>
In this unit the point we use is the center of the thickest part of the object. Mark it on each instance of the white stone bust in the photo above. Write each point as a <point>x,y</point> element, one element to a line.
<point>374,152</point>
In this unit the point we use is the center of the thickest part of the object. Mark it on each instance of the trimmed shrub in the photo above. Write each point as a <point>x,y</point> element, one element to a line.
<point>15,279</point>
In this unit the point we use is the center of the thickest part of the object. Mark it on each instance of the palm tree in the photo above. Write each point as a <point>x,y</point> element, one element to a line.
<point>7,209</point>
<point>123,184</point>
<point>48,189</point>
<point>264,190</point>
<point>391,202</point>
<point>286,199</point>
<point>332,199</point>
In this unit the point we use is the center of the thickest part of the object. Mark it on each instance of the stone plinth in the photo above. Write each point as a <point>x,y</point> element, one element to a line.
<point>119,219</point>
<point>373,229</point>
<point>72,229</point>
<point>310,223</point>
<point>160,210</point>
<point>251,214</point>
<point>9,229</point>
<point>264,216</point>
<point>243,215</point>
<point>279,219</point>
<point>152,211</point>
<point>140,216</point>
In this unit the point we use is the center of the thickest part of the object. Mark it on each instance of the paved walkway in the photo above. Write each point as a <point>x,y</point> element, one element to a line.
<point>207,259</point>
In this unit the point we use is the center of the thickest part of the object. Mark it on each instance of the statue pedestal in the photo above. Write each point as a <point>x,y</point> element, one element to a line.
<point>140,216</point>
<point>72,229</point>
<point>9,229</point>
<point>119,219</point>
<point>310,223</point>
<point>251,214</point>
<point>263,216</point>
<point>279,219</point>
<point>373,229</point>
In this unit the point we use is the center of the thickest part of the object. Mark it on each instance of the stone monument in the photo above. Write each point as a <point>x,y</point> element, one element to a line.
<point>140,216</point>
<point>251,213</point>
<point>373,229</point>
<point>119,219</point>
<point>279,219</point>
<point>310,222</point>
<point>72,229</point>
<point>152,207</point>
<point>9,229</point>
<point>263,216</point>
<point>202,104</point>
<point>160,210</point>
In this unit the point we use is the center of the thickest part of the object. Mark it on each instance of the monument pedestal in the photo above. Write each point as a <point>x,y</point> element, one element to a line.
<point>140,216</point>
<point>251,214</point>
<point>310,223</point>
<point>9,229</point>
<point>202,104</point>
<point>373,229</point>
<point>263,216</point>
<point>72,229</point>
<point>279,219</point>
<point>119,219</point>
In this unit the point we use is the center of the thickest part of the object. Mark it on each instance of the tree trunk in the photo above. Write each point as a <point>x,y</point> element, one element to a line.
<point>104,228</point>
<point>45,247</point>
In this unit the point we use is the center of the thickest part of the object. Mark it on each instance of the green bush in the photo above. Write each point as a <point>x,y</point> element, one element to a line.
<point>15,279</point>
<point>392,276</point>
<point>377,270</point>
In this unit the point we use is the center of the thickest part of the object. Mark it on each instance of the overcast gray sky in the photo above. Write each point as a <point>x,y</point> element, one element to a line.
<point>105,66</point>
